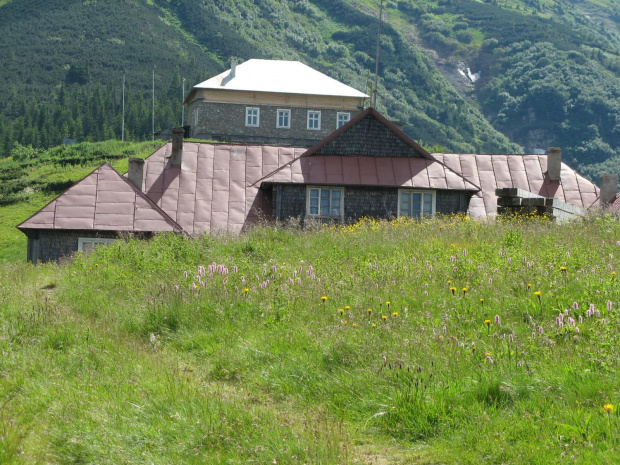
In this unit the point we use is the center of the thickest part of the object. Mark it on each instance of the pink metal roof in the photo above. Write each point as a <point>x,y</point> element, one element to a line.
<point>369,171</point>
<point>213,190</point>
<point>102,201</point>
<point>527,172</point>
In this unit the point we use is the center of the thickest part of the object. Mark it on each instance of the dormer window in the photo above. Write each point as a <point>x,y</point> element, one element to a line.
<point>314,120</point>
<point>252,117</point>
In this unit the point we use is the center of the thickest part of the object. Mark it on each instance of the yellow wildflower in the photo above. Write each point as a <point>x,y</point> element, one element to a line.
<point>608,408</point>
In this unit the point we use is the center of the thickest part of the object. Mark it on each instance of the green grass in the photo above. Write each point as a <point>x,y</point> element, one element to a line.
<point>117,357</point>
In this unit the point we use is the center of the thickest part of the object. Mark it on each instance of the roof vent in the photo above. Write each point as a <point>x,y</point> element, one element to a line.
<point>554,163</point>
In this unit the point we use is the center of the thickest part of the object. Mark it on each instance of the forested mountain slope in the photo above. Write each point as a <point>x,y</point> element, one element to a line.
<point>548,69</point>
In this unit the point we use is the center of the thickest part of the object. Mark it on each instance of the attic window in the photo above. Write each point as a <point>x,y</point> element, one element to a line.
<point>415,204</point>
<point>314,120</point>
<point>252,117</point>
<point>325,202</point>
<point>86,244</point>
<point>342,119</point>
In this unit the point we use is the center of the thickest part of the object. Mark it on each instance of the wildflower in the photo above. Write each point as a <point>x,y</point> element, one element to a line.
<point>369,311</point>
<point>388,303</point>
<point>609,408</point>
<point>374,325</point>
<point>609,305</point>
<point>324,298</point>
<point>341,311</point>
<point>481,301</point>
<point>354,325</point>
<point>538,294</point>
<point>345,322</point>
<point>464,290</point>
<point>497,320</point>
<point>394,314</point>
<point>453,289</point>
<point>449,281</point>
<point>246,290</point>
<point>487,322</point>
<point>529,285</point>
<point>563,269</point>
<point>347,307</point>
<point>383,317</point>
<point>511,338</point>
<point>487,354</point>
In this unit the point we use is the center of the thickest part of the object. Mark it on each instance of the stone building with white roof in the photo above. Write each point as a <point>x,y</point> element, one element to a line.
<point>271,102</point>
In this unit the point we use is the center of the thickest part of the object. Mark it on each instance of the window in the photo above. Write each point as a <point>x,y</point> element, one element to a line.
<point>86,244</point>
<point>342,119</point>
<point>415,204</point>
<point>314,120</point>
<point>325,202</point>
<point>252,116</point>
<point>284,119</point>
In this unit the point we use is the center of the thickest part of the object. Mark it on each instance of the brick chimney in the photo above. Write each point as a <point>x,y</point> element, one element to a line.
<point>554,163</point>
<point>136,172</point>
<point>233,72</point>
<point>177,146</point>
<point>609,188</point>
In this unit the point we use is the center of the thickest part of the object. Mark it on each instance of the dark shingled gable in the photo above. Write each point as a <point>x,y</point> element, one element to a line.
<point>370,135</point>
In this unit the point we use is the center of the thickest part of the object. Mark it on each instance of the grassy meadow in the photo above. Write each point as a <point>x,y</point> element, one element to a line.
<point>441,341</point>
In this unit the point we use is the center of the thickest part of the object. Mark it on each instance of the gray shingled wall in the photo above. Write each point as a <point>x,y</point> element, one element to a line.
<point>226,122</point>
<point>289,201</point>
<point>369,137</point>
<point>53,245</point>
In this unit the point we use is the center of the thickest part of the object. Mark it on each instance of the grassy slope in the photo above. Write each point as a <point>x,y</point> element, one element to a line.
<point>104,360</point>
<point>38,180</point>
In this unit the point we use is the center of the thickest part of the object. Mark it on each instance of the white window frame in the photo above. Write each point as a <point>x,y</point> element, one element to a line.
<point>314,116</point>
<point>252,117</point>
<point>340,118</point>
<point>95,240</point>
<point>286,112</point>
<point>410,192</point>
<point>322,189</point>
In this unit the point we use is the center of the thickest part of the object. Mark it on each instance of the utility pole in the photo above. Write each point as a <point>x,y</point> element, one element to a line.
<point>123,126</point>
<point>183,106</point>
<point>377,57</point>
<point>153,113</point>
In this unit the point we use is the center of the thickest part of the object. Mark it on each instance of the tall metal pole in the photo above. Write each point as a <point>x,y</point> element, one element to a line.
<point>123,127</point>
<point>378,49</point>
<point>183,106</point>
<point>153,117</point>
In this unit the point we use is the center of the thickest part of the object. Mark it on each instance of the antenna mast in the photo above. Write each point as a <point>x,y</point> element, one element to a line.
<point>377,58</point>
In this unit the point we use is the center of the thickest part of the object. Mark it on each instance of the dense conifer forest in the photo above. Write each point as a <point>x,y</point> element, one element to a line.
<point>549,70</point>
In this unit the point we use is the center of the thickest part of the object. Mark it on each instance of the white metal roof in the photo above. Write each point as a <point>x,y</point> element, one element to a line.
<point>290,77</point>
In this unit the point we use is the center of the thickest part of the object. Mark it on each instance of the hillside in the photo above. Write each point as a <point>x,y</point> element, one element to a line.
<point>375,343</point>
<point>548,69</point>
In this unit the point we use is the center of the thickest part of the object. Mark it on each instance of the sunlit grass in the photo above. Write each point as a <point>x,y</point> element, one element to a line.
<point>446,340</point>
